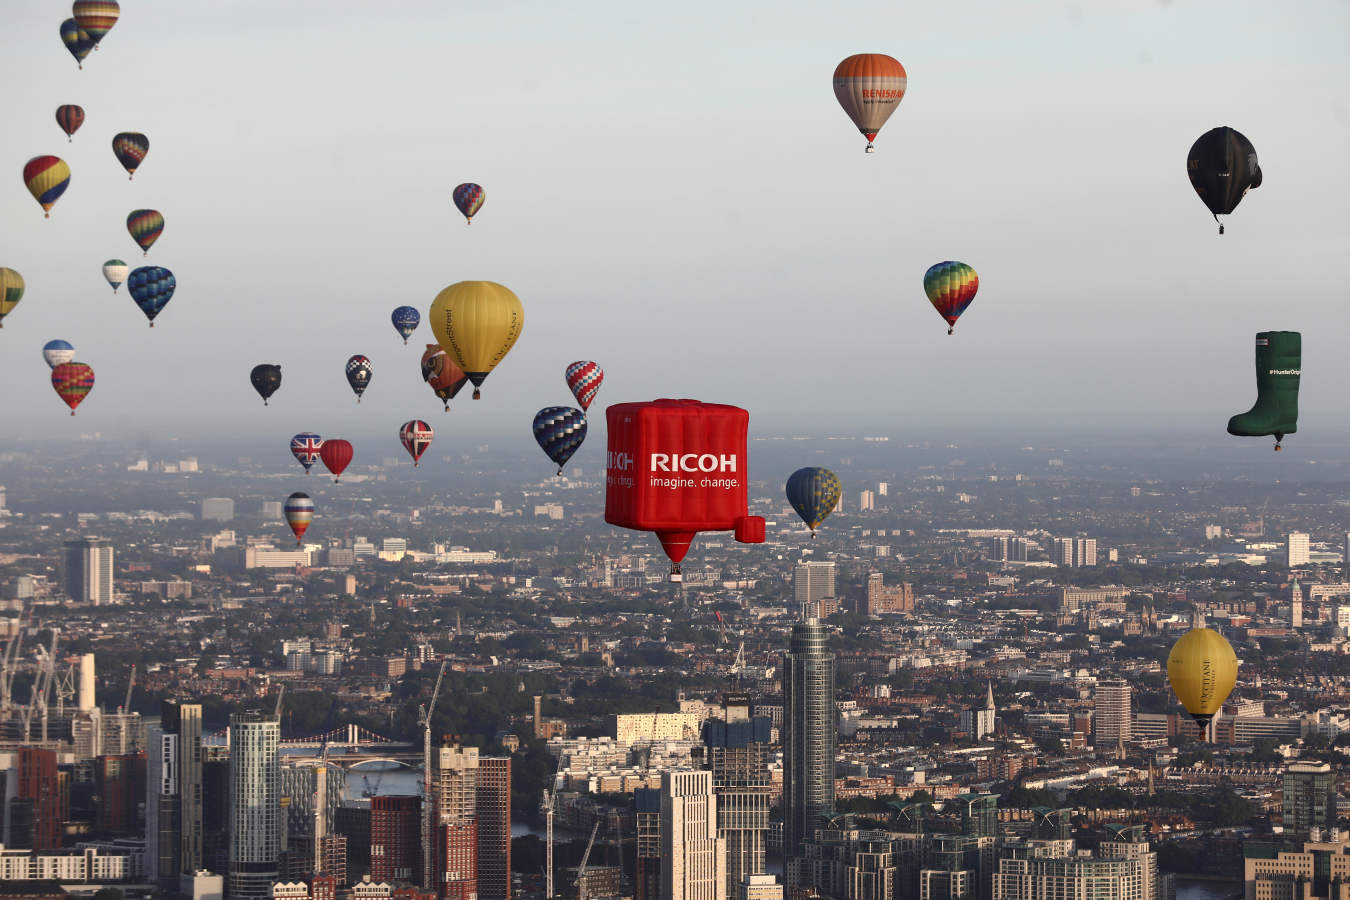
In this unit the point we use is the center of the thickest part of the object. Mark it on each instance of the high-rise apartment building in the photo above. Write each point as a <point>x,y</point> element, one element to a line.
<point>1073,552</point>
<point>812,583</point>
<point>396,837</point>
<point>87,571</point>
<point>1041,870</point>
<point>1296,549</point>
<point>39,794</point>
<point>980,722</point>
<point>694,856</point>
<point>647,868</point>
<point>494,827</point>
<point>738,750</point>
<point>217,509</point>
<point>867,501</point>
<point>119,784</point>
<point>1309,798</point>
<point>1321,869</point>
<point>173,794</point>
<point>455,793</point>
<point>1008,549</point>
<point>1111,714</point>
<point>809,734</point>
<point>254,805</point>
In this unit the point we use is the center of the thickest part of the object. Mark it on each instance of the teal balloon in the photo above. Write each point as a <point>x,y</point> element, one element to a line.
<point>814,493</point>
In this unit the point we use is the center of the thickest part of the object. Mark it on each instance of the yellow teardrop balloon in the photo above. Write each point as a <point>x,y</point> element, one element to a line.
<point>11,292</point>
<point>1202,668</point>
<point>477,323</point>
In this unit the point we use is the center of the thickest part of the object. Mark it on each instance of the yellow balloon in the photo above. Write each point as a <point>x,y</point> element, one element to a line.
<point>477,323</point>
<point>1202,668</point>
<point>11,291</point>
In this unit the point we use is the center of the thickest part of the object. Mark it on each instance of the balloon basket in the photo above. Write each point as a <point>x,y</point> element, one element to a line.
<point>477,394</point>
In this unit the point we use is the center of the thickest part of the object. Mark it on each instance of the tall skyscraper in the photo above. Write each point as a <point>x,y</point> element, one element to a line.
<point>173,794</point>
<point>494,827</point>
<point>1296,549</point>
<point>1345,556</point>
<point>255,805</point>
<point>1073,552</point>
<point>1111,722</point>
<point>455,793</point>
<point>1295,605</point>
<point>395,837</point>
<point>1309,797</point>
<point>980,722</point>
<point>647,868</point>
<point>812,582</point>
<point>87,571</point>
<point>810,730</point>
<point>867,501</point>
<point>738,757</point>
<point>694,856</point>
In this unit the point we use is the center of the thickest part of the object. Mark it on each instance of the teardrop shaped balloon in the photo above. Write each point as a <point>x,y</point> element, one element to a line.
<point>477,323</point>
<point>440,371</point>
<point>96,17</point>
<point>76,40</point>
<point>584,380</point>
<point>406,320</point>
<point>11,292</point>
<point>359,372</point>
<point>152,288</point>
<point>336,455</point>
<point>58,353</point>
<point>130,148</point>
<point>299,510</point>
<point>814,493</point>
<point>145,226</point>
<point>73,381</point>
<point>116,271</point>
<point>468,200</point>
<point>950,287</point>
<point>305,448</point>
<point>47,178</point>
<point>869,86</point>
<point>1222,167</point>
<point>416,436</point>
<point>1202,669</point>
<point>560,431</point>
<point>70,117</point>
<point>265,378</point>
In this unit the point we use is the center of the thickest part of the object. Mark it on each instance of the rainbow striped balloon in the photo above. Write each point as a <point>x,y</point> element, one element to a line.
<point>950,287</point>
<point>96,17</point>
<point>145,227</point>
<point>47,178</point>
<point>77,42</point>
<point>72,382</point>
<point>130,148</point>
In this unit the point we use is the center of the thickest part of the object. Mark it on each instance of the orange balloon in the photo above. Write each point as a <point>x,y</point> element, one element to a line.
<point>869,86</point>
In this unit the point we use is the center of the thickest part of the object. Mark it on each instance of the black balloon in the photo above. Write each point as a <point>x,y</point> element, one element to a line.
<point>1222,168</point>
<point>266,379</point>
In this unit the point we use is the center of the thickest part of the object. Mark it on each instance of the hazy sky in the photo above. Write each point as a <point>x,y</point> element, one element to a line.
<point>673,191</point>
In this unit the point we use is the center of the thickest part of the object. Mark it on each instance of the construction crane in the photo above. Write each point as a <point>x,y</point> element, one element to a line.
<point>428,808</point>
<point>547,808</point>
<point>9,664</point>
<point>585,857</point>
<point>37,697</point>
<point>131,686</point>
<point>281,694</point>
<point>320,807</point>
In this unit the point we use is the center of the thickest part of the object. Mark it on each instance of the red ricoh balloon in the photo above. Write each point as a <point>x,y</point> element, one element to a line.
<point>678,467</point>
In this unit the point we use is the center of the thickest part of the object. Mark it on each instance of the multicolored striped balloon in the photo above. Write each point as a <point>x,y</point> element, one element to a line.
<point>145,226</point>
<point>299,510</point>
<point>950,287</point>
<point>73,381</point>
<point>416,436</point>
<point>47,178</point>
<point>559,430</point>
<point>70,117</point>
<point>76,40</point>
<point>584,380</point>
<point>11,292</point>
<point>152,288</point>
<point>130,148</point>
<point>96,17</point>
<point>469,199</point>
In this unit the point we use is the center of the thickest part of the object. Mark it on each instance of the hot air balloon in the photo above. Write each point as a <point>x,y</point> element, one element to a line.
<point>58,353</point>
<point>11,292</point>
<point>76,40</point>
<point>584,380</point>
<point>358,374</point>
<point>70,117</point>
<point>813,493</point>
<point>416,436</point>
<point>336,455</point>
<point>299,511</point>
<point>152,288</point>
<point>96,17</point>
<point>869,86</point>
<point>305,447</point>
<point>560,431</point>
<point>1222,168</point>
<point>405,319</point>
<point>477,322</point>
<point>1202,669</point>
<point>47,178</point>
<point>950,287</point>
<point>116,271</point>
<point>145,226</point>
<point>73,381</point>
<point>130,148</point>
<point>1279,364</point>
<point>266,378</point>
<point>468,200</point>
<point>440,371</point>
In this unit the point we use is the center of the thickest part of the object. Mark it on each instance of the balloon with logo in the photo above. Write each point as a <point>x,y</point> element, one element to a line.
<point>11,292</point>
<point>47,178</point>
<point>145,226</point>
<point>1222,167</point>
<point>814,493</point>
<point>870,86</point>
<point>584,379</point>
<point>72,382</point>
<point>305,447</point>
<point>358,374</point>
<point>58,352</point>
<point>1202,669</point>
<point>115,271</point>
<point>77,41</point>
<point>336,455</point>
<point>440,371</point>
<point>950,287</point>
<point>559,430</point>
<point>477,323</point>
<point>266,378</point>
<point>130,148</point>
<point>468,200</point>
<point>70,117</point>
<point>96,17</point>
<point>299,510</point>
<point>416,436</point>
<point>152,288</point>
<point>405,320</point>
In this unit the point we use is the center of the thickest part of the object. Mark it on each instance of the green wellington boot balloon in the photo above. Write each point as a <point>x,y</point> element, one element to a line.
<point>1279,360</point>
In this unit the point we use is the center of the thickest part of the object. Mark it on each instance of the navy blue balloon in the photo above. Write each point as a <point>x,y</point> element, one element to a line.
<point>152,288</point>
<point>406,320</point>
<point>560,431</point>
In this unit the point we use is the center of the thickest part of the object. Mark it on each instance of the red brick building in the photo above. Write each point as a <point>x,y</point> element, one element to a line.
<point>396,838</point>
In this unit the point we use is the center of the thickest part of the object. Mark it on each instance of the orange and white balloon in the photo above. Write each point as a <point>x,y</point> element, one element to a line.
<point>869,86</point>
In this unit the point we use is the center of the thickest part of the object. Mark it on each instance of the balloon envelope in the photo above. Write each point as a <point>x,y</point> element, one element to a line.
<point>869,86</point>
<point>813,493</point>
<point>468,200</point>
<point>116,271</point>
<point>73,381</point>
<point>152,288</point>
<point>305,448</point>
<point>405,319</point>
<point>266,378</point>
<point>130,148</point>
<point>440,371</point>
<point>477,323</point>
<point>559,430</point>
<point>96,17</point>
<point>299,510</point>
<point>358,374</point>
<point>1202,669</point>
<point>584,379</point>
<point>70,117</point>
<point>416,436</point>
<point>336,455</point>
<point>58,352</point>
<point>145,226</point>
<point>11,292</point>
<point>1222,167</point>
<point>47,178</point>
<point>77,41</point>
<point>950,287</point>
